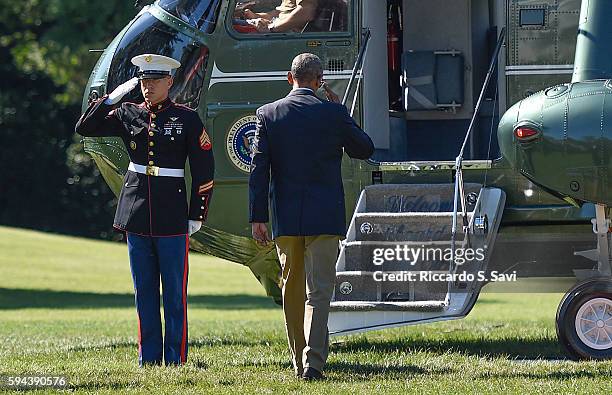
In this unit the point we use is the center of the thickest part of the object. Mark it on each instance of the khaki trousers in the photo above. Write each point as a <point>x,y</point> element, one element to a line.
<point>309,273</point>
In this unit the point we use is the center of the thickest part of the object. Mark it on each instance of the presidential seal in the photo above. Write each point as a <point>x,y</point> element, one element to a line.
<point>239,141</point>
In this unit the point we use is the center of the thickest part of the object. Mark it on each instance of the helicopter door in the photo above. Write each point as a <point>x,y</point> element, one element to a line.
<point>250,69</point>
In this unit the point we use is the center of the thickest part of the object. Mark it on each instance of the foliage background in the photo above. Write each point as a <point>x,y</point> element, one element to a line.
<point>47,181</point>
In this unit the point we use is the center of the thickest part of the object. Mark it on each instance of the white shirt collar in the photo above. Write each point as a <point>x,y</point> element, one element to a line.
<point>308,89</point>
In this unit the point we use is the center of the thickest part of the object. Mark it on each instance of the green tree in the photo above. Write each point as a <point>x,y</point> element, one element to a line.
<point>47,182</point>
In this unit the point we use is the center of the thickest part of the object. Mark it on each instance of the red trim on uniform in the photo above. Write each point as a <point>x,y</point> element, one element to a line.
<point>116,228</point>
<point>150,210</point>
<point>149,180</point>
<point>205,204</point>
<point>139,335</point>
<point>166,103</point>
<point>185,269</point>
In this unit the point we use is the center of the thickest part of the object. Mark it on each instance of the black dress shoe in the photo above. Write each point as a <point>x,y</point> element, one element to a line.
<point>312,374</point>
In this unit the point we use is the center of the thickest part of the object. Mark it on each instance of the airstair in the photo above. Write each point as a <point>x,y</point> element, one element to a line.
<point>378,275</point>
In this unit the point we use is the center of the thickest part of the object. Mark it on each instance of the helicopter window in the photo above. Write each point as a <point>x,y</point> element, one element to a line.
<point>201,14</point>
<point>291,16</point>
<point>532,17</point>
<point>149,35</point>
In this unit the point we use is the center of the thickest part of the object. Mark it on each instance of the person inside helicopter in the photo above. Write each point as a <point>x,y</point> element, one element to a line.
<point>291,16</point>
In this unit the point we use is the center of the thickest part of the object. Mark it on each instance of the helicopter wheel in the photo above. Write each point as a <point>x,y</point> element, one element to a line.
<point>584,320</point>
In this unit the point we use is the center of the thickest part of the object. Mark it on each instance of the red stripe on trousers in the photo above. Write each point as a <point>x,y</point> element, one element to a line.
<point>185,268</point>
<point>138,317</point>
<point>139,336</point>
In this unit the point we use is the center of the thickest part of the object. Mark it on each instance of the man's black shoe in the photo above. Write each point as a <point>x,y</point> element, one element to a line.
<point>312,374</point>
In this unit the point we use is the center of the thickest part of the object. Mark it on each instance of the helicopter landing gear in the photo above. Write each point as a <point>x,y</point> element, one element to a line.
<point>584,320</point>
<point>584,317</point>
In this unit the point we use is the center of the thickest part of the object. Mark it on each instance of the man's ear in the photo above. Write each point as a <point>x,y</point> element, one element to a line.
<point>290,78</point>
<point>170,82</point>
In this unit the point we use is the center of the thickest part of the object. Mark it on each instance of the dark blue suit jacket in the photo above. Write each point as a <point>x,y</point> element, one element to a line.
<point>297,156</point>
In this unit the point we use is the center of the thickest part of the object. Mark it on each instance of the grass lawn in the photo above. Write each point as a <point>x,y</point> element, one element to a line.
<point>66,308</point>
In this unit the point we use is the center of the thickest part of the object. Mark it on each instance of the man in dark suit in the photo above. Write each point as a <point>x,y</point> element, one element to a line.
<point>297,155</point>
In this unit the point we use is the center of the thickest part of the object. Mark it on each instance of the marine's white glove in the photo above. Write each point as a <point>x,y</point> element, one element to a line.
<point>194,226</point>
<point>122,90</point>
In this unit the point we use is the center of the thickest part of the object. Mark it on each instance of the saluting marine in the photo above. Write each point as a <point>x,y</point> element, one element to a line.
<point>152,209</point>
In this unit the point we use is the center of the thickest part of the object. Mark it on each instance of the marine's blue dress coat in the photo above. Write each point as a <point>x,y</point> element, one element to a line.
<point>297,155</point>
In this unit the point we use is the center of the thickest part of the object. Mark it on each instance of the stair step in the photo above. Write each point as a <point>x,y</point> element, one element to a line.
<point>424,306</point>
<point>401,198</point>
<point>374,256</point>
<point>420,226</point>
<point>372,287</point>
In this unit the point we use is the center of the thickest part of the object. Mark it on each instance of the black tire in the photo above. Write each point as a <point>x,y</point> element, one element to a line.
<point>566,318</point>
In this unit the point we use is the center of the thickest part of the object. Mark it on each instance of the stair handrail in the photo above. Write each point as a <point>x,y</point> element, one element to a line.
<point>459,194</point>
<point>358,65</point>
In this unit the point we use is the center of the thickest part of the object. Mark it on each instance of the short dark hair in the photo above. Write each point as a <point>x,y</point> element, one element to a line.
<point>307,67</point>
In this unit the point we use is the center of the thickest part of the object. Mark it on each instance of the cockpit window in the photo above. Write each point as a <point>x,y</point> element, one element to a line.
<point>149,35</point>
<point>201,14</point>
<point>291,16</point>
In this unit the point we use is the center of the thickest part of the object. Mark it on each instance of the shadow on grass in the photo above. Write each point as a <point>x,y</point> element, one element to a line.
<point>342,371</point>
<point>555,375</point>
<point>513,348</point>
<point>204,342</point>
<point>35,298</point>
<point>366,371</point>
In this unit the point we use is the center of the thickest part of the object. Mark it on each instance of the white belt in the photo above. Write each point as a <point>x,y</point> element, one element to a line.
<point>156,171</point>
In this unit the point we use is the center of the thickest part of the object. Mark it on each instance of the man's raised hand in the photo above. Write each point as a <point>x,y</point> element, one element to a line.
<point>330,94</point>
<point>115,96</point>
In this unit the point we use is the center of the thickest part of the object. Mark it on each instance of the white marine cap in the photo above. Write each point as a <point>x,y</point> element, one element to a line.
<point>154,66</point>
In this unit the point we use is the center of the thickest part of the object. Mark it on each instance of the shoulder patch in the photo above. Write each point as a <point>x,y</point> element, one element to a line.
<point>205,142</point>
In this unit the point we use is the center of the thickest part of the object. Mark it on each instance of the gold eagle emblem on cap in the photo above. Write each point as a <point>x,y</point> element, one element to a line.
<point>148,58</point>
